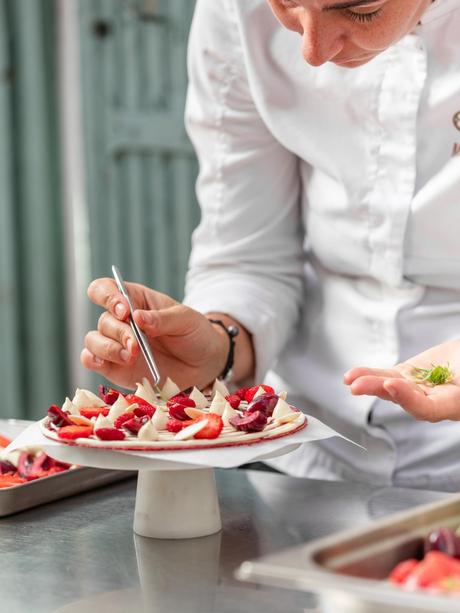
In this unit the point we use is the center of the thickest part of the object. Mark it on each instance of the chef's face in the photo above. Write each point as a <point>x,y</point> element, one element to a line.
<point>348,33</point>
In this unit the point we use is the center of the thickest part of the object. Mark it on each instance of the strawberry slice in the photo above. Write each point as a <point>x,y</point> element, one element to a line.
<point>401,571</point>
<point>11,480</point>
<point>241,392</point>
<point>132,398</point>
<point>89,412</point>
<point>233,400</point>
<point>432,569</point>
<point>251,392</point>
<point>4,442</point>
<point>71,433</point>
<point>213,427</point>
<point>110,434</point>
<point>120,420</point>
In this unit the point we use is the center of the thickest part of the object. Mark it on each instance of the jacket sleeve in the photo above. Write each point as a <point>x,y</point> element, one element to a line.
<point>247,256</point>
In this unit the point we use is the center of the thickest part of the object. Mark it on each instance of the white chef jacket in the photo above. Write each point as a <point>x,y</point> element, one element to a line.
<point>331,223</point>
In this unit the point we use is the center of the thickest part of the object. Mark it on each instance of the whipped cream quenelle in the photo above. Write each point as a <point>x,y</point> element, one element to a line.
<point>172,420</point>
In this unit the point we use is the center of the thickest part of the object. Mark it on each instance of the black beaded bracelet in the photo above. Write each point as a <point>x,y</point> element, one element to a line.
<point>232,332</point>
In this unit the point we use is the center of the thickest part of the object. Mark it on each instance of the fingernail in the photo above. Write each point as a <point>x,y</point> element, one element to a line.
<point>125,355</point>
<point>392,391</point>
<point>146,318</point>
<point>119,310</point>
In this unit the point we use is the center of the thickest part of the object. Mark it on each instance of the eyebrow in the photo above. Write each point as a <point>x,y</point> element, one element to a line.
<point>348,5</point>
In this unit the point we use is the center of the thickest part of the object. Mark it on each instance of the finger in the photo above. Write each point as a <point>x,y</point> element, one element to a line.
<point>104,293</point>
<point>352,374</point>
<point>107,349</point>
<point>370,386</point>
<point>433,407</point>
<point>112,328</point>
<point>91,361</point>
<point>174,321</point>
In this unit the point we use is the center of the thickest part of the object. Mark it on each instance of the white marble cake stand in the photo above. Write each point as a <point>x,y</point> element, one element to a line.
<point>174,500</point>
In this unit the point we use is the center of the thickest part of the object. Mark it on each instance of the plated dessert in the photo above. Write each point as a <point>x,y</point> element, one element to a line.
<point>439,569</point>
<point>18,467</point>
<point>172,419</point>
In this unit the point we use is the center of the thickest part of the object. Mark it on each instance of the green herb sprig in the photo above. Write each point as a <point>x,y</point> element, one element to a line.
<point>436,375</point>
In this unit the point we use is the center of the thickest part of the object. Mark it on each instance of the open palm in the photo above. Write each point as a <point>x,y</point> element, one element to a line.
<point>398,384</point>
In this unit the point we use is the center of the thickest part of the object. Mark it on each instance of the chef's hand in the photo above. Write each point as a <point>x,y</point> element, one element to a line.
<point>424,402</point>
<point>186,346</point>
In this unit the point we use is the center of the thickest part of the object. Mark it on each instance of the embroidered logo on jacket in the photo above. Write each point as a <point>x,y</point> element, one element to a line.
<point>456,122</point>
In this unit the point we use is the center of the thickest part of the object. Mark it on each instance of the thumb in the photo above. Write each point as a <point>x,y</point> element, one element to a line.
<point>177,320</point>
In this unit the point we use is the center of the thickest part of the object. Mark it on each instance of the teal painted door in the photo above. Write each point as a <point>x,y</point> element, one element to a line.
<point>33,371</point>
<point>140,166</point>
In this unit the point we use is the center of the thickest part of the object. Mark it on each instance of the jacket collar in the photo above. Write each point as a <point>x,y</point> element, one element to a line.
<point>438,8</point>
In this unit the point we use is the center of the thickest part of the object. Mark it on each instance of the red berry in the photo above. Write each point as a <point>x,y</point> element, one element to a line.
<point>73,432</point>
<point>265,403</point>
<point>177,411</point>
<point>89,412</point>
<point>58,417</point>
<point>185,401</point>
<point>233,400</point>
<point>174,425</point>
<point>135,424</point>
<point>249,422</point>
<point>144,411</point>
<point>120,420</point>
<point>110,434</point>
<point>253,390</point>
<point>213,428</point>
<point>108,394</point>
<point>242,392</point>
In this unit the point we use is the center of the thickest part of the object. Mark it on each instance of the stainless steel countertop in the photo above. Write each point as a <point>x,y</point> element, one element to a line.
<point>81,555</point>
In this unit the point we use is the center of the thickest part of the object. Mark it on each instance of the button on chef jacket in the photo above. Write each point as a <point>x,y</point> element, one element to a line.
<point>330,223</point>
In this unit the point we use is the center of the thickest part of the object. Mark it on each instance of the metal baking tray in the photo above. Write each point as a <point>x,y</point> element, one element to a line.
<point>47,489</point>
<point>348,570</point>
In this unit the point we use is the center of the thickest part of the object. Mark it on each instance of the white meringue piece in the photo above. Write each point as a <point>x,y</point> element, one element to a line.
<point>282,410</point>
<point>283,395</point>
<point>190,431</point>
<point>119,407</point>
<point>69,407</point>
<point>102,422</point>
<point>198,398</point>
<point>160,419</point>
<point>148,432</point>
<point>229,412</point>
<point>219,386</point>
<point>169,389</point>
<point>143,392</point>
<point>259,392</point>
<point>218,404</point>
<point>85,398</point>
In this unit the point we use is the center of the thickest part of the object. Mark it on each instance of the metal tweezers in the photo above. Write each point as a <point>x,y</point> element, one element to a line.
<point>140,336</point>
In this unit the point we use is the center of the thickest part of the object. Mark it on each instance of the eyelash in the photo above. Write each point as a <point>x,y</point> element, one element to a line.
<point>363,17</point>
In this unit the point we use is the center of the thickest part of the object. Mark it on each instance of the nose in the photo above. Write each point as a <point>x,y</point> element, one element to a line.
<point>321,41</point>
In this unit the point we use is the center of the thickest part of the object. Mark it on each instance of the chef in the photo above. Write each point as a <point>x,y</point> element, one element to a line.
<point>328,136</point>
